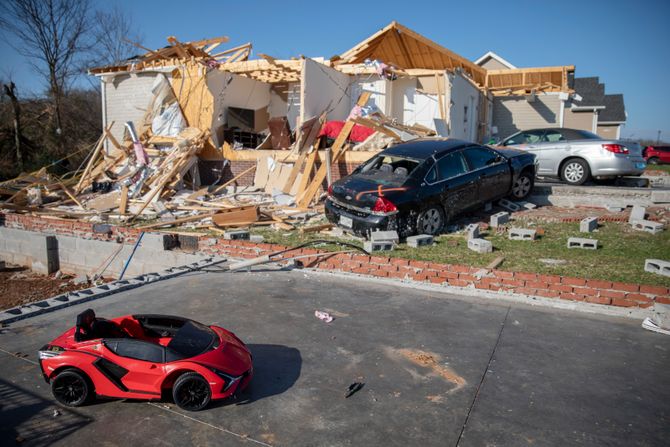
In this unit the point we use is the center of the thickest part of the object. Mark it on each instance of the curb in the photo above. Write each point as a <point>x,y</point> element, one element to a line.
<point>93,293</point>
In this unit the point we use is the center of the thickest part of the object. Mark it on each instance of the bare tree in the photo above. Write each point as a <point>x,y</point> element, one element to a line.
<point>52,34</point>
<point>113,31</point>
<point>10,91</point>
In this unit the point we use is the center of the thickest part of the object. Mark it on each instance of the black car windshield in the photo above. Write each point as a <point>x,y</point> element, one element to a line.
<point>192,339</point>
<point>388,169</point>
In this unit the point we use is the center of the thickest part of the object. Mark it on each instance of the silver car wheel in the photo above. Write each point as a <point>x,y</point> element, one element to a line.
<point>574,172</point>
<point>521,186</point>
<point>431,221</point>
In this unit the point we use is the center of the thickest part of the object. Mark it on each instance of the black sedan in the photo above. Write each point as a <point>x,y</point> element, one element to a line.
<point>419,186</point>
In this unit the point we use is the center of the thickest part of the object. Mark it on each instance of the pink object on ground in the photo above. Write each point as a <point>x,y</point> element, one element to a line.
<point>325,316</point>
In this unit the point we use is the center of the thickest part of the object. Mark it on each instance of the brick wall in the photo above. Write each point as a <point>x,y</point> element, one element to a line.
<point>548,286</point>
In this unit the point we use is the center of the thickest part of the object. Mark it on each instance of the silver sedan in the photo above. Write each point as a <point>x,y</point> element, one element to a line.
<point>577,155</point>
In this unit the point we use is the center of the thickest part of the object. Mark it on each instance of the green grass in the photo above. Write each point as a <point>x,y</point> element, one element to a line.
<point>665,168</point>
<point>620,257</point>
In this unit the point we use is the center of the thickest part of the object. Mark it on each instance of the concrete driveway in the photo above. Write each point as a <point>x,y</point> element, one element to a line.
<point>438,370</point>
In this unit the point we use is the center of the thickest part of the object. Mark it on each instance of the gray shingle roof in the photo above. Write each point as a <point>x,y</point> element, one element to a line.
<point>615,110</point>
<point>591,91</point>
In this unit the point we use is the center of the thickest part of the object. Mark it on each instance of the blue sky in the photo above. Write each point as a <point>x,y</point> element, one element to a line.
<point>625,43</point>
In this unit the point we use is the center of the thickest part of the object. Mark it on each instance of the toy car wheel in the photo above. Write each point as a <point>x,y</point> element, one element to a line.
<point>430,221</point>
<point>71,388</point>
<point>191,392</point>
<point>653,161</point>
<point>575,171</point>
<point>522,186</point>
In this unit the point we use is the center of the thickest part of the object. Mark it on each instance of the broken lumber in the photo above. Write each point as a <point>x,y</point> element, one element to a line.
<point>243,215</point>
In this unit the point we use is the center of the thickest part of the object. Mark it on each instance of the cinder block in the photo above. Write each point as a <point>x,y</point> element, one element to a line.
<point>159,242</point>
<point>102,228</point>
<point>488,206</point>
<point>499,219</point>
<point>420,240</point>
<point>521,234</point>
<point>648,226</point>
<point>660,196</point>
<point>236,234</point>
<point>508,205</point>
<point>381,236</point>
<point>637,213</point>
<point>480,245</point>
<point>528,205</point>
<point>657,266</point>
<point>579,242</point>
<point>188,242</point>
<point>256,238</point>
<point>613,209</point>
<point>371,246</point>
<point>588,224</point>
<point>472,231</point>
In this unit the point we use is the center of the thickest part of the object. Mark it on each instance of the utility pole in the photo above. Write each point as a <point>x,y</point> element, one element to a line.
<point>658,138</point>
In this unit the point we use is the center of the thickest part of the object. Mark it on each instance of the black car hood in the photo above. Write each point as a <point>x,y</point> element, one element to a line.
<point>511,152</point>
<point>363,190</point>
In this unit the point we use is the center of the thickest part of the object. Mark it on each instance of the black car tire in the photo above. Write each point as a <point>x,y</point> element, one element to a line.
<point>430,221</point>
<point>71,388</point>
<point>653,161</point>
<point>522,186</point>
<point>191,392</point>
<point>575,171</point>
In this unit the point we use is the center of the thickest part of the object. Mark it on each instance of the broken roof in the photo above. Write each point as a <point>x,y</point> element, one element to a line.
<point>400,46</point>
<point>178,51</point>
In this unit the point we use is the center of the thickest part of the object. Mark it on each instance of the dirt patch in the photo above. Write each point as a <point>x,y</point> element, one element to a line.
<point>430,361</point>
<point>18,285</point>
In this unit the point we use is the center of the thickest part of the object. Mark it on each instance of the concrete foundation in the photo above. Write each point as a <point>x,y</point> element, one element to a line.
<point>47,254</point>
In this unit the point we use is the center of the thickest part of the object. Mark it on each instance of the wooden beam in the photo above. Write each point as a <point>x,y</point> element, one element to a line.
<point>177,221</point>
<point>337,150</point>
<point>91,161</point>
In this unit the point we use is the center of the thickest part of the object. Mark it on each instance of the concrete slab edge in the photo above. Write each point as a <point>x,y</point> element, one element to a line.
<point>93,293</point>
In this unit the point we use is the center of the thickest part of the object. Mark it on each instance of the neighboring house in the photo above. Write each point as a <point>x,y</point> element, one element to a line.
<point>583,105</point>
<point>491,61</point>
<point>593,110</point>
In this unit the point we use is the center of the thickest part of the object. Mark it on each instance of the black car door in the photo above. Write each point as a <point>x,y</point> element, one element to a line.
<point>491,172</point>
<point>454,187</point>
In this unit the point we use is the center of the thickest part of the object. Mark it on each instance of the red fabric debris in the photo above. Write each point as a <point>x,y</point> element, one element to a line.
<point>358,134</point>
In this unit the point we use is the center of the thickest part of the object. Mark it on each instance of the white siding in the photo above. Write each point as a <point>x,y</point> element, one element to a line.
<point>514,113</point>
<point>464,111</point>
<point>127,98</point>
<point>324,88</point>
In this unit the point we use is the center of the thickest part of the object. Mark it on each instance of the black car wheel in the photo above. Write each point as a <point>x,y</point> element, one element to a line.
<point>71,388</point>
<point>575,171</point>
<point>653,161</point>
<point>430,221</point>
<point>191,392</point>
<point>522,186</point>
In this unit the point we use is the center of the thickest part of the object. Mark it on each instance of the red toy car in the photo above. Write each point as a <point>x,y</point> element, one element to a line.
<point>144,357</point>
<point>657,154</point>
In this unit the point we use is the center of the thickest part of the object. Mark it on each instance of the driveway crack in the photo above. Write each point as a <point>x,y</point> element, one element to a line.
<point>481,382</point>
